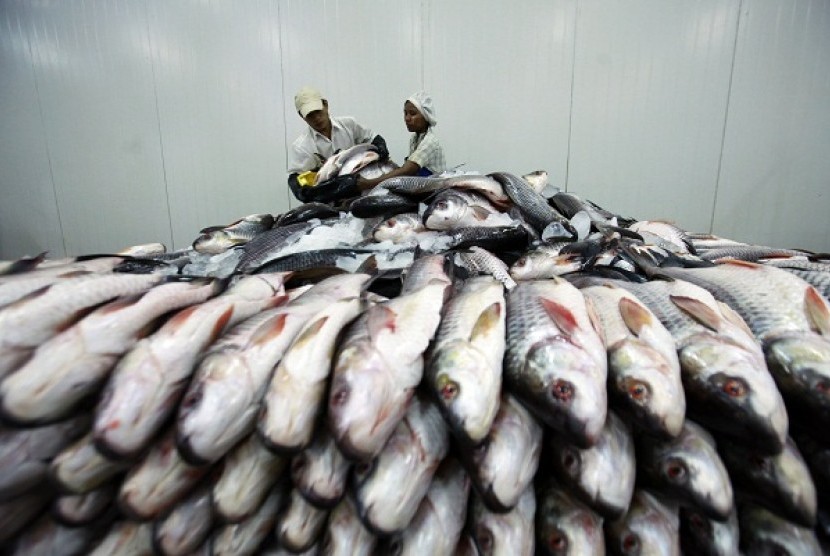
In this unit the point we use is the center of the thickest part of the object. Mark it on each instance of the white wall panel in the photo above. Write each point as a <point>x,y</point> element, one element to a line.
<point>650,91</point>
<point>95,86</point>
<point>775,179</point>
<point>364,56</point>
<point>29,221</point>
<point>217,72</point>
<point>500,73</point>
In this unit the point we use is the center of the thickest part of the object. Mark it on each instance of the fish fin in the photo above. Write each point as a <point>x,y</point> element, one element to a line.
<point>74,274</point>
<point>596,322</point>
<point>487,320</point>
<point>818,311</point>
<point>561,315</point>
<point>181,317</point>
<point>120,303</point>
<point>310,332</point>
<point>277,300</point>
<point>368,266</point>
<point>380,317</point>
<point>698,310</point>
<point>739,262</point>
<point>480,213</point>
<point>221,323</point>
<point>270,329</point>
<point>211,229</point>
<point>635,316</point>
<point>29,296</point>
<point>733,317</point>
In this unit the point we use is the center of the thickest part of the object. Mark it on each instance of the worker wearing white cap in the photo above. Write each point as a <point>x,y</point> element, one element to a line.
<point>325,136</point>
<point>426,156</point>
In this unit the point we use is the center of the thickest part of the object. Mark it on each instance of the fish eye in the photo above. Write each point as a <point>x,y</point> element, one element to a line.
<point>823,387</point>
<point>484,539</point>
<point>447,389</point>
<point>638,391</point>
<point>734,388</point>
<point>391,222</point>
<point>362,469</point>
<point>570,460</point>
<point>441,205</point>
<point>675,470</point>
<point>340,397</point>
<point>298,463</point>
<point>631,544</point>
<point>558,542</point>
<point>562,390</point>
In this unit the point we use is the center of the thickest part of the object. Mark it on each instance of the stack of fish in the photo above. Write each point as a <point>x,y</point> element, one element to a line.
<point>467,364</point>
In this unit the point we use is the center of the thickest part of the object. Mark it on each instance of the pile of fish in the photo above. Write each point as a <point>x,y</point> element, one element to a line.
<point>463,364</point>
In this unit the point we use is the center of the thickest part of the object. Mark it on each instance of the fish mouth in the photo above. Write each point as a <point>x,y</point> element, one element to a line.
<point>111,451</point>
<point>184,446</point>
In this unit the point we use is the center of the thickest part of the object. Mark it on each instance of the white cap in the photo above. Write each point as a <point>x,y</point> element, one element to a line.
<point>308,100</point>
<point>423,102</point>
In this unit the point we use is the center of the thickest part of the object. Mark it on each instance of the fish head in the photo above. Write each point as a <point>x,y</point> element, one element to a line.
<point>444,213</point>
<point>394,229</point>
<point>645,383</point>
<point>532,266</point>
<point>565,526</point>
<point>648,527</point>
<point>215,242</point>
<point>467,402</point>
<point>702,535</point>
<point>565,390</point>
<point>733,392</point>
<point>801,366</point>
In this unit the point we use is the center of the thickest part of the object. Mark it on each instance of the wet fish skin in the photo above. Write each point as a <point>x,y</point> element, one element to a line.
<point>453,209</point>
<point>465,364</point>
<point>246,537</point>
<point>700,534</point>
<point>644,381</point>
<point>347,160</point>
<point>268,245</point>
<point>385,204</point>
<point>71,366</point>
<point>545,261</point>
<point>781,483</point>
<point>80,467</point>
<point>534,207</point>
<point>249,472</point>
<point>603,475</point>
<point>493,238</point>
<point>185,528</point>
<point>16,513</point>
<point>345,533</point>
<point>504,465</point>
<point>125,538</point>
<point>148,382</point>
<point>437,525</point>
<point>47,537</point>
<point>688,469</point>
<point>649,527</point>
<point>399,228</point>
<point>301,524</point>
<point>555,361</point>
<point>414,185</point>
<point>320,472</point>
<point>478,260</point>
<point>75,510</point>
<point>389,489</point>
<point>503,533</point>
<point>483,185</point>
<point>763,532</point>
<point>564,525</point>
<point>29,322</point>
<point>25,454</point>
<point>306,212</point>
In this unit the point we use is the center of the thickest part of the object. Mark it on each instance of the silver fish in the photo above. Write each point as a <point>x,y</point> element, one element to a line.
<point>465,365</point>
<point>220,239</point>
<point>649,527</point>
<point>377,169</point>
<point>537,179</point>
<point>751,253</point>
<point>350,158</point>
<point>504,465</point>
<point>726,382</point>
<point>763,532</point>
<point>126,538</point>
<point>47,537</point>
<point>378,365</point>
<point>187,525</point>
<point>687,469</point>
<point>601,476</point>
<point>249,473</point>
<point>643,369</point>
<point>817,274</point>
<point>564,525</point>
<point>243,539</point>
<point>414,185</point>
<point>483,185</point>
<point>389,489</point>
<point>345,533</point>
<point>320,471</point>
<point>25,454</point>
<point>437,525</point>
<point>663,234</point>
<point>223,399</point>
<point>399,228</point>
<point>144,250</point>
<point>301,524</point>
<point>19,511</point>
<point>478,260</point>
<point>454,209</point>
<point>504,533</point>
<point>700,534</point>
<point>81,509</point>
<point>81,468</point>
<point>269,245</point>
<point>73,364</point>
<point>298,386</point>
<point>781,483</point>
<point>31,321</point>
<point>148,381</point>
<point>17,286</point>
<point>158,482</point>
<point>556,361</point>
<point>534,206</point>
<point>545,261</point>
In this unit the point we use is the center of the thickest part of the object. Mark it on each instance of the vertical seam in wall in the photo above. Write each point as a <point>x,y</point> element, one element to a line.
<point>726,116</point>
<point>282,86</point>
<point>46,145</point>
<point>158,125</point>
<point>571,107</point>
<point>424,21</point>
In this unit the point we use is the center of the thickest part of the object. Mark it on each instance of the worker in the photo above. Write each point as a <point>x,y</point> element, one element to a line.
<point>426,156</point>
<point>325,136</point>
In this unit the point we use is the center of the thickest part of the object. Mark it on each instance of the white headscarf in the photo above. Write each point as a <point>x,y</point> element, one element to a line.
<point>423,102</point>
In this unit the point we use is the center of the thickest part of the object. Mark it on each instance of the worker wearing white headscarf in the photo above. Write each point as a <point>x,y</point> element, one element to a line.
<point>426,156</point>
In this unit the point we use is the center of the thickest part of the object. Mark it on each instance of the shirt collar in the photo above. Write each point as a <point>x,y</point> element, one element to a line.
<point>317,135</point>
